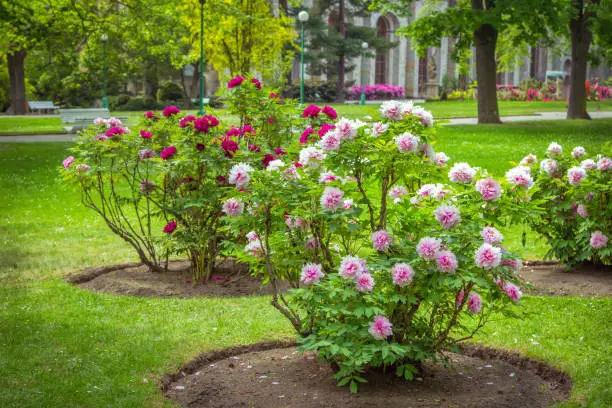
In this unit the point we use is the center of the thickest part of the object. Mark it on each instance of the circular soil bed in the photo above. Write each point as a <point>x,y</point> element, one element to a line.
<point>229,279</point>
<point>583,280</point>
<point>267,375</point>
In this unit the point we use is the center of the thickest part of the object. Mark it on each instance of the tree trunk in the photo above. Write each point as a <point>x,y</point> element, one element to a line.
<point>195,82</point>
<point>485,40</point>
<point>16,70</point>
<point>342,32</point>
<point>287,92</point>
<point>581,40</point>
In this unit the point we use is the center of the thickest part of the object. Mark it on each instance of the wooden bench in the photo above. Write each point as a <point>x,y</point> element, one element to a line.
<point>196,101</point>
<point>77,119</point>
<point>41,106</point>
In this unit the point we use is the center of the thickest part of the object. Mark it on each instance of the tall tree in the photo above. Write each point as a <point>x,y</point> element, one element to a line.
<point>334,41</point>
<point>475,23</point>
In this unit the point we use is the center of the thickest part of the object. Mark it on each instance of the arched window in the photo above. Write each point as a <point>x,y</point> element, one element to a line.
<point>382,57</point>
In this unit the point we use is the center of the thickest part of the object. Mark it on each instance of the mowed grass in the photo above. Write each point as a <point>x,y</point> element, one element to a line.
<point>63,346</point>
<point>10,125</point>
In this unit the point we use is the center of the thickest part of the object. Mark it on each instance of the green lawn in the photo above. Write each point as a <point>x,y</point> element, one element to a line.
<point>63,347</point>
<point>440,110</point>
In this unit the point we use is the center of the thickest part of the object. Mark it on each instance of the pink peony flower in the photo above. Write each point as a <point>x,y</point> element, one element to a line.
<point>311,111</point>
<point>330,112</point>
<point>252,236</point>
<point>381,328</point>
<point>425,116</point>
<point>428,247</point>
<point>81,167</point>
<point>441,159</point>
<point>588,164</point>
<point>254,248</point>
<point>578,152</point>
<point>147,187</point>
<point>397,193</point>
<point>549,166</point>
<point>113,122</point>
<point>305,134</point>
<point>351,267</point>
<point>379,128</point>
<point>311,274</point>
<point>392,110</point>
<point>582,211</point>
<point>332,198</point>
<point>512,291</point>
<point>461,173</point>
<point>170,227</point>
<point>402,274</point>
<point>488,256</point>
<point>598,240</point>
<point>168,152</point>
<point>520,176</point>
<point>170,110</point>
<point>330,141</point>
<point>235,81</point>
<point>604,164</point>
<point>446,261</point>
<point>115,132</point>
<point>435,191</point>
<point>311,156</point>
<point>257,83</point>
<point>348,204</point>
<point>145,135</point>
<point>328,177</point>
<point>575,175</point>
<point>491,235</point>
<point>406,142</point>
<point>68,161</point>
<point>447,215</point>
<point>233,207</point>
<point>149,115</point>
<point>239,175</point>
<point>99,121</point>
<point>474,303</point>
<point>364,283</point>
<point>275,165</point>
<point>146,154</point>
<point>489,189</point>
<point>554,149</point>
<point>529,159</point>
<point>381,240</point>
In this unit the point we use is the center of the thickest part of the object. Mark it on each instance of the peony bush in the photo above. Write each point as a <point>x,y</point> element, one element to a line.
<point>394,257</point>
<point>164,188</point>
<point>573,188</point>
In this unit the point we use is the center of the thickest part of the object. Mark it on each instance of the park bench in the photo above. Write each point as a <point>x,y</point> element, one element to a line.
<point>77,119</point>
<point>42,106</point>
<point>196,101</point>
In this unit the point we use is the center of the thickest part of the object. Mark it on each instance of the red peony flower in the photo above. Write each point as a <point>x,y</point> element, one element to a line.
<point>256,82</point>
<point>235,81</point>
<point>168,152</point>
<point>330,112</point>
<point>170,227</point>
<point>145,134</point>
<point>187,119</point>
<point>304,138</point>
<point>311,111</point>
<point>170,110</point>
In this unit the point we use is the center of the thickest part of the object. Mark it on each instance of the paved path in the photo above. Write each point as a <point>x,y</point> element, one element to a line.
<point>458,121</point>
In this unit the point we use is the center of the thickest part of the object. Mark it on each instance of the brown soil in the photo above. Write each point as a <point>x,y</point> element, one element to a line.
<point>269,375</point>
<point>229,279</point>
<point>583,280</point>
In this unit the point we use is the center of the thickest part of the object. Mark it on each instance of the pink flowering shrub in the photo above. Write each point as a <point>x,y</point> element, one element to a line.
<point>375,92</point>
<point>386,240</point>
<point>572,185</point>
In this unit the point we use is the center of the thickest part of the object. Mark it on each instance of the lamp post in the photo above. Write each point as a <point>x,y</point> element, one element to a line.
<point>201,111</point>
<point>364,48</point>
<point>104,39</point>
<point>302,17</point>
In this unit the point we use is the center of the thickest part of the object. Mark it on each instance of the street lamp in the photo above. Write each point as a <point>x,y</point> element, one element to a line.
<point>104,39</point>
<point>201,111</point>
<point>364,48</point>
<point>302,17</point>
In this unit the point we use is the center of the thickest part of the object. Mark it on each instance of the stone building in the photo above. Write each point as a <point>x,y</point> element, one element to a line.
<point>421,76</point>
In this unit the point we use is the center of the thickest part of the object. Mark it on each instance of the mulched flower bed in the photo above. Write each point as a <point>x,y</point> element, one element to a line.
<point>583,280</point>
<point>270,375</point>
<point>229,280</point>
